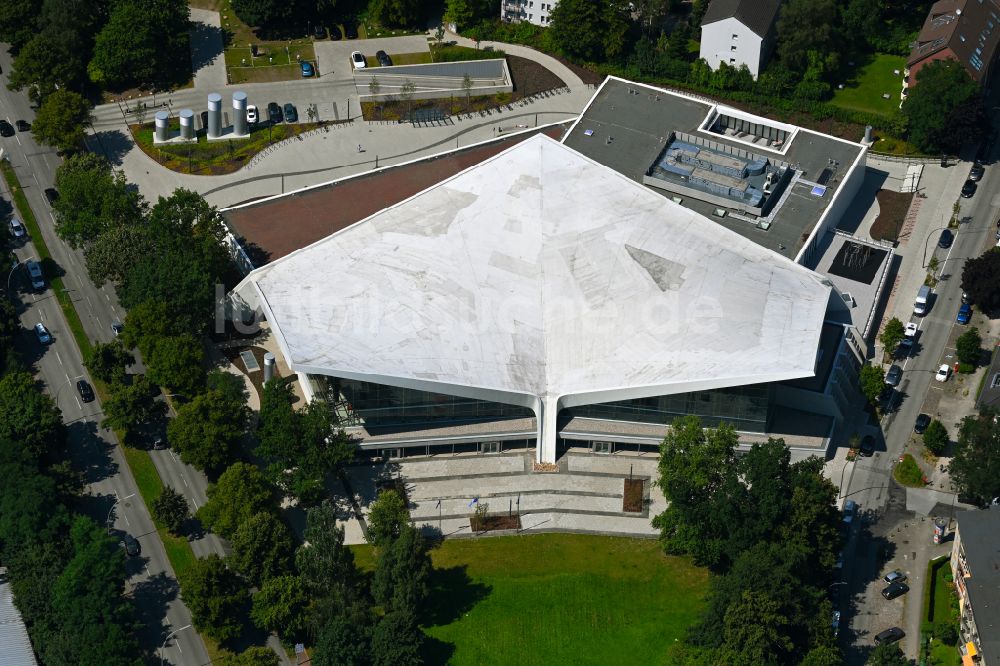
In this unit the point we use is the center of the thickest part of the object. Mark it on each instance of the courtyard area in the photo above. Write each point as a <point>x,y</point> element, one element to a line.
<point>556,599</point>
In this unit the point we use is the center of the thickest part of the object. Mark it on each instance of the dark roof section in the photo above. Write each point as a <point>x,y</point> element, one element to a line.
<point>273,228</point>
<point>967,27</point>
<point>758,15</point>
<point>980,534</point>
<point>989,397</point>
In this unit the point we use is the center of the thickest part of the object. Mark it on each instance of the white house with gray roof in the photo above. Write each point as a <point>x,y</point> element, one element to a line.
<point>739,32</point>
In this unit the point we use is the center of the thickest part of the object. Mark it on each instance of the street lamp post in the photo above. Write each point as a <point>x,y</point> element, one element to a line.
<point>164,646</point>
<point>13,268</point>
<point>112,509</point>
<point>927,244</point>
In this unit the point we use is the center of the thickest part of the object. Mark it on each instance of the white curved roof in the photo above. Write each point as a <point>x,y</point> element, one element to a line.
<point>542,273</point>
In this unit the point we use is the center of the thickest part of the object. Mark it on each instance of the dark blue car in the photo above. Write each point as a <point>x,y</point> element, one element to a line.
<point>964,314</point>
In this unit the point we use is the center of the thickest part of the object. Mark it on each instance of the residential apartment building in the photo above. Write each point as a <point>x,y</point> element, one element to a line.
<point>975,565</point>
<point>531,11</point>
<point>739,32</point>
<point>964,30</point>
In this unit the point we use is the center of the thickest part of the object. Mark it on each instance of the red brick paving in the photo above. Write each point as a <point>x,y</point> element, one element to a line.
<point>272,229</point>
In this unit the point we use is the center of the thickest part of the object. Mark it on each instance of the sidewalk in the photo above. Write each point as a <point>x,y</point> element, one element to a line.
<point>207,59</point>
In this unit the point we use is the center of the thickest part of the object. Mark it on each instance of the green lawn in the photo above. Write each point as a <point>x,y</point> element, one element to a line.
<point>557,599</point>
<point>863,88</point>
<point>419,58</point>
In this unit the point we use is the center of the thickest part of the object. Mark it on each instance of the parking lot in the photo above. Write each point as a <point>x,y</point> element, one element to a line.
<point>334,58</point>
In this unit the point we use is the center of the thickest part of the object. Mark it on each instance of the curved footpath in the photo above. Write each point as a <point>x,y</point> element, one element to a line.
<point>340,150</point>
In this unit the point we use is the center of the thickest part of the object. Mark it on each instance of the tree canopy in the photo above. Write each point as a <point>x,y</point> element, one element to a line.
<point>262,547</point>
<point>325,564</point>
<point>92,198</point>
<point>28,416</point>
<point>872,378</point>
<point>892,334</point>
<point>144,42</point>
<point>981,280</point>
<point>133,404</point>
<point>968,347</point>
<point>944,107</point>
<point>592,31</point>
<point>936,437</point>
<point>207,431</point>
<point>387,517</point>
<point>975,467</point>
<point>216,597</point>
<point>402,572</point>
<point>281,606</point>
<point>240,492</point>
<point>171,508</point>
<point>60,120</point>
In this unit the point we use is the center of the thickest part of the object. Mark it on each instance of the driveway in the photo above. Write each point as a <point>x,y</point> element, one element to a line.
<point>207,60</point>
<point>334,58</point>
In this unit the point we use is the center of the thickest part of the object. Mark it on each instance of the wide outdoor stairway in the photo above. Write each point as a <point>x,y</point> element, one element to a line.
<point>585,495</point>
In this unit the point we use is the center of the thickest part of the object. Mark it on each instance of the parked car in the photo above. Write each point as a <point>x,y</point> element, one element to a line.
<point>867,448</point>
<point>890,635</point>
<point>894,575</point>
<point>131,545</point>
<point>22,125</point>
<point>943,373</point>
<point>923,420</point>
<point>252,116</point>
<point>52,194</point>
<point>291,115</point>
<point>85,390</point>
<point>274,113</point>
<point>977,171</point>
<point>35,273</point>
<point>835,622</point>
<point>969,189</point>
<point>42,333</point>
<point>946,238</point>
<point>351,30</point>
<point>159,442</point>
<point>308,71</point>
<point>383,59</point>
<point>894,375</point>
<point>117,327</point>
<point>319,32</point>
<point>897,589</point>
<point>6,129</point>
<point>358,60</point>
<point>334,32</point>
<point>964,314</point>
<point>17,229</point>
<point>965,297</point>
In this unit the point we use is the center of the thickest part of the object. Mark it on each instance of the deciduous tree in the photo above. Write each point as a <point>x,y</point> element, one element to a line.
<point>171,509</point>
<point>872,378</point>
<point>262,547</point>
<point>325,564</point>
<point>892,334</point>
<point>60,120</point>
<point>239,493</point>
<point>936,437</point>
<point>975,467</point>
<point>401,575</point>
<point>144,42</point>
<point>176,362</point>
<point>92,198</point>
<point>888,654</point>
<point>255,655</point>
<point>109,361</point>
<point>28,416</point>
<point>592,31</point>
<point>132,404</point>
<point>944,107</point>
<point>342,642</point>
<point>968,347</point>
<point>387,517</point>
<point>981,280</point>
<point>216,597</point>
<point>207,431</point>
<point>263,13</point>
<point>281,606</point>
<point>396,640</point>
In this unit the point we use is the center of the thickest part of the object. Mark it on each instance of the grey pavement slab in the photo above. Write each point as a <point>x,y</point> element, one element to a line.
<point>207,59</point>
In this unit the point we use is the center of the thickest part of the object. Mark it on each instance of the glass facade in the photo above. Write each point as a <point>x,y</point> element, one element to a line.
<point>743,407</point>
<point>380,405</point>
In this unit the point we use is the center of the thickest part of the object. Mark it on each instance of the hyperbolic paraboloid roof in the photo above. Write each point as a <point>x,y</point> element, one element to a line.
<point>542,273</point>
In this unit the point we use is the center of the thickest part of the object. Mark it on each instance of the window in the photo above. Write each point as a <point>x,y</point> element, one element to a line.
<point>392,454</point>
<point>602,447</point>
<point>736,36</point>
<point>732,61</point>
<point>733,47</point>
<point>489,447</point>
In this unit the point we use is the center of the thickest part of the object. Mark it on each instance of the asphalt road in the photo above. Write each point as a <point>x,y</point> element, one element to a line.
<point>58,365</point>
<point>869,484</point>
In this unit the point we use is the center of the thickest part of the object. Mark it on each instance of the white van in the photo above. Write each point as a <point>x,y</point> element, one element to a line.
<point>923,298</point>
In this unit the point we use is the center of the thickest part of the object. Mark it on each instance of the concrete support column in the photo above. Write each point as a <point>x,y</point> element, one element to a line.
<point>269,363</point>
<point>214,115</point>
<point>546,413</point>
<point>187,124</point>
<point>161,132</point>
<point>240,113</point>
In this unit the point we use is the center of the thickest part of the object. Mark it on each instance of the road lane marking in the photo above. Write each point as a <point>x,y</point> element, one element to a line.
<point>59,358</point>
<point>184,480</point>
<point>36,179</point>
<point>78,405</point>
<point>195,502</point>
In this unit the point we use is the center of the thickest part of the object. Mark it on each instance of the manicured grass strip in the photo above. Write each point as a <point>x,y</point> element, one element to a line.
<point>863,92</point>
<point>144,471</point>
<point>28,217</point>
<point>556,599</point>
